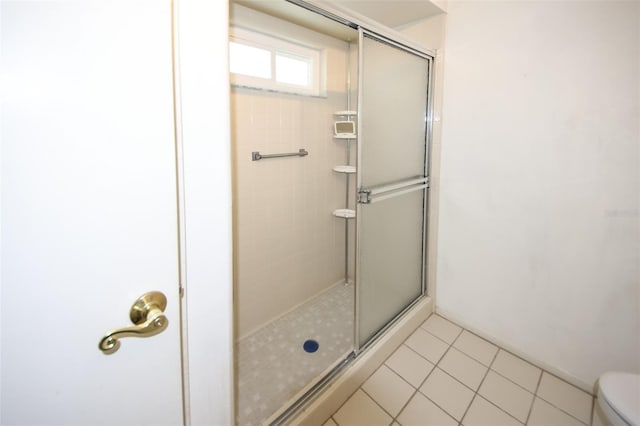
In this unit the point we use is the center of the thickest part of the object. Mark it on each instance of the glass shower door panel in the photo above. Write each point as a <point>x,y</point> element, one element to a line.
<point>393,113</point>
<point>392,158</point>
<point>390,260</point>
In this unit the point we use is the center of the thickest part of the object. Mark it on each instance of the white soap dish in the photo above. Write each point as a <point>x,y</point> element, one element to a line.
<point>345,169</point>
<point>345,213</point>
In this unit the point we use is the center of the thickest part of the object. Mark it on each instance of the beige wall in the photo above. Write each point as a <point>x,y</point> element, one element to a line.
<point>288,246</point>
<point>429,31</point>
<point>539,211</point>
<point>538,218</point>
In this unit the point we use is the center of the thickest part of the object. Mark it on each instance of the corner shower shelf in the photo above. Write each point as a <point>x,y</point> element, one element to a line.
<point>345,113</point>
<point>344,129</point>
<point>344,169</point>
<point>345,213</point>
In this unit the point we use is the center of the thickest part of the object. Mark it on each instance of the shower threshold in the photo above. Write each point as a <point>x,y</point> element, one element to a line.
<point>293,407</point>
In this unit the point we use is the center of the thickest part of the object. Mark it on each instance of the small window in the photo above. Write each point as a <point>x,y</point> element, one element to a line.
<point>249,60</point>
<point>263,62</point>
<point>292,70</point>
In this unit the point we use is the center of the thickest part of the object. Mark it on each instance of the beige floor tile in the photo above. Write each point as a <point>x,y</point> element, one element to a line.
<point>517,370</point>
<point>440,327</point>
<point>409,365</point>
<point>465,369</point>
<point>449,394</point>
<point>360,410</point>
<point>330,422</point>
<point>483,413</point>
<point>566,397</point>
<point>544,414</point>
<point>388,389</point>
<point>507,395</point>
<point>427,345</point>
<point>422,412</point>
<point>477,348</point>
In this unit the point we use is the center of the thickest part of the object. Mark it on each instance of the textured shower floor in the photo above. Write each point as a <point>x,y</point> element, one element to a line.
<point>272,366</point>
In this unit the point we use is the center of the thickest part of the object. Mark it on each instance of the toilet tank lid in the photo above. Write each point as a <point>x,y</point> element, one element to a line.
<point>622,393</point>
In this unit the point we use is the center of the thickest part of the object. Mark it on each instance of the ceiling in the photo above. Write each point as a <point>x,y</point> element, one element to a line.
<point>393,13</point>
<point>301,16</point>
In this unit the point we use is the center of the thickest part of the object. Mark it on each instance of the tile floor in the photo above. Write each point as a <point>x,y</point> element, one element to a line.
<point>444,375</point>
<point>271,365</point>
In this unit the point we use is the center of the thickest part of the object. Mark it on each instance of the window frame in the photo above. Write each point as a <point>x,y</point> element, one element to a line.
<point>279,47</point>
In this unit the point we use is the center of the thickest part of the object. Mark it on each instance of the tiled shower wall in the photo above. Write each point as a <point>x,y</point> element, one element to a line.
<point>288,246</point>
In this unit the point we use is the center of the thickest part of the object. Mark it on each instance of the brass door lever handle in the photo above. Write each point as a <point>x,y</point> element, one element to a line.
<point>147,313</point>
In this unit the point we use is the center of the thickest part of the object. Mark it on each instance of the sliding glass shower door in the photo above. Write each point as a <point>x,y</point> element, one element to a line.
<point>392,182</point>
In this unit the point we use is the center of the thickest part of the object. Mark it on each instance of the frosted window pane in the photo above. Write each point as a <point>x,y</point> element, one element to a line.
<point>292,71</point>
<point>249,60</point>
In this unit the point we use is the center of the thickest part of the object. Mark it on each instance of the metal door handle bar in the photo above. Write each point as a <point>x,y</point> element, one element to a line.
<point>396,193</point>
<point>368,196</point>
<point>147,313</point>
<point>255,155</point>
<point>398,185</point>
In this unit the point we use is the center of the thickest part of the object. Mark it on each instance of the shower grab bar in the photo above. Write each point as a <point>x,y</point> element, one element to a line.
<point>255,155</point>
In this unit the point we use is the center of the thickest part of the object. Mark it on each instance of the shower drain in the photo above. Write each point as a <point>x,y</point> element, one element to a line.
<point>310,346</point>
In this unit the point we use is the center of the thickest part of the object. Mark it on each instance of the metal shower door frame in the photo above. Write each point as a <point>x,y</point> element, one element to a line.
<point>382,192</point>
<point>364,25</point>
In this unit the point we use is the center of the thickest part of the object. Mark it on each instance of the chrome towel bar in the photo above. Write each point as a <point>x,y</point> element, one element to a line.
<point>255,155</point>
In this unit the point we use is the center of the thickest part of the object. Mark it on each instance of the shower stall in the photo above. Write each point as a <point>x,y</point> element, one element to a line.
<point>330,128</point>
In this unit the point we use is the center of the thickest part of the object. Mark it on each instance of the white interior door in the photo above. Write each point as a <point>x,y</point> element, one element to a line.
<point>89,216</point>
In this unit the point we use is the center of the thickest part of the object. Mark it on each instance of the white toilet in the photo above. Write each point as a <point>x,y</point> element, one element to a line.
<point>619,398</point>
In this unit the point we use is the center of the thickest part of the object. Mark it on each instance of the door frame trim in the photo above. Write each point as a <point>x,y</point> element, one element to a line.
<point>203,155</point>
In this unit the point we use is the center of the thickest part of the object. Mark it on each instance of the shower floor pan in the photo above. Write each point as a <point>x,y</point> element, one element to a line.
<point>271,364</point>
